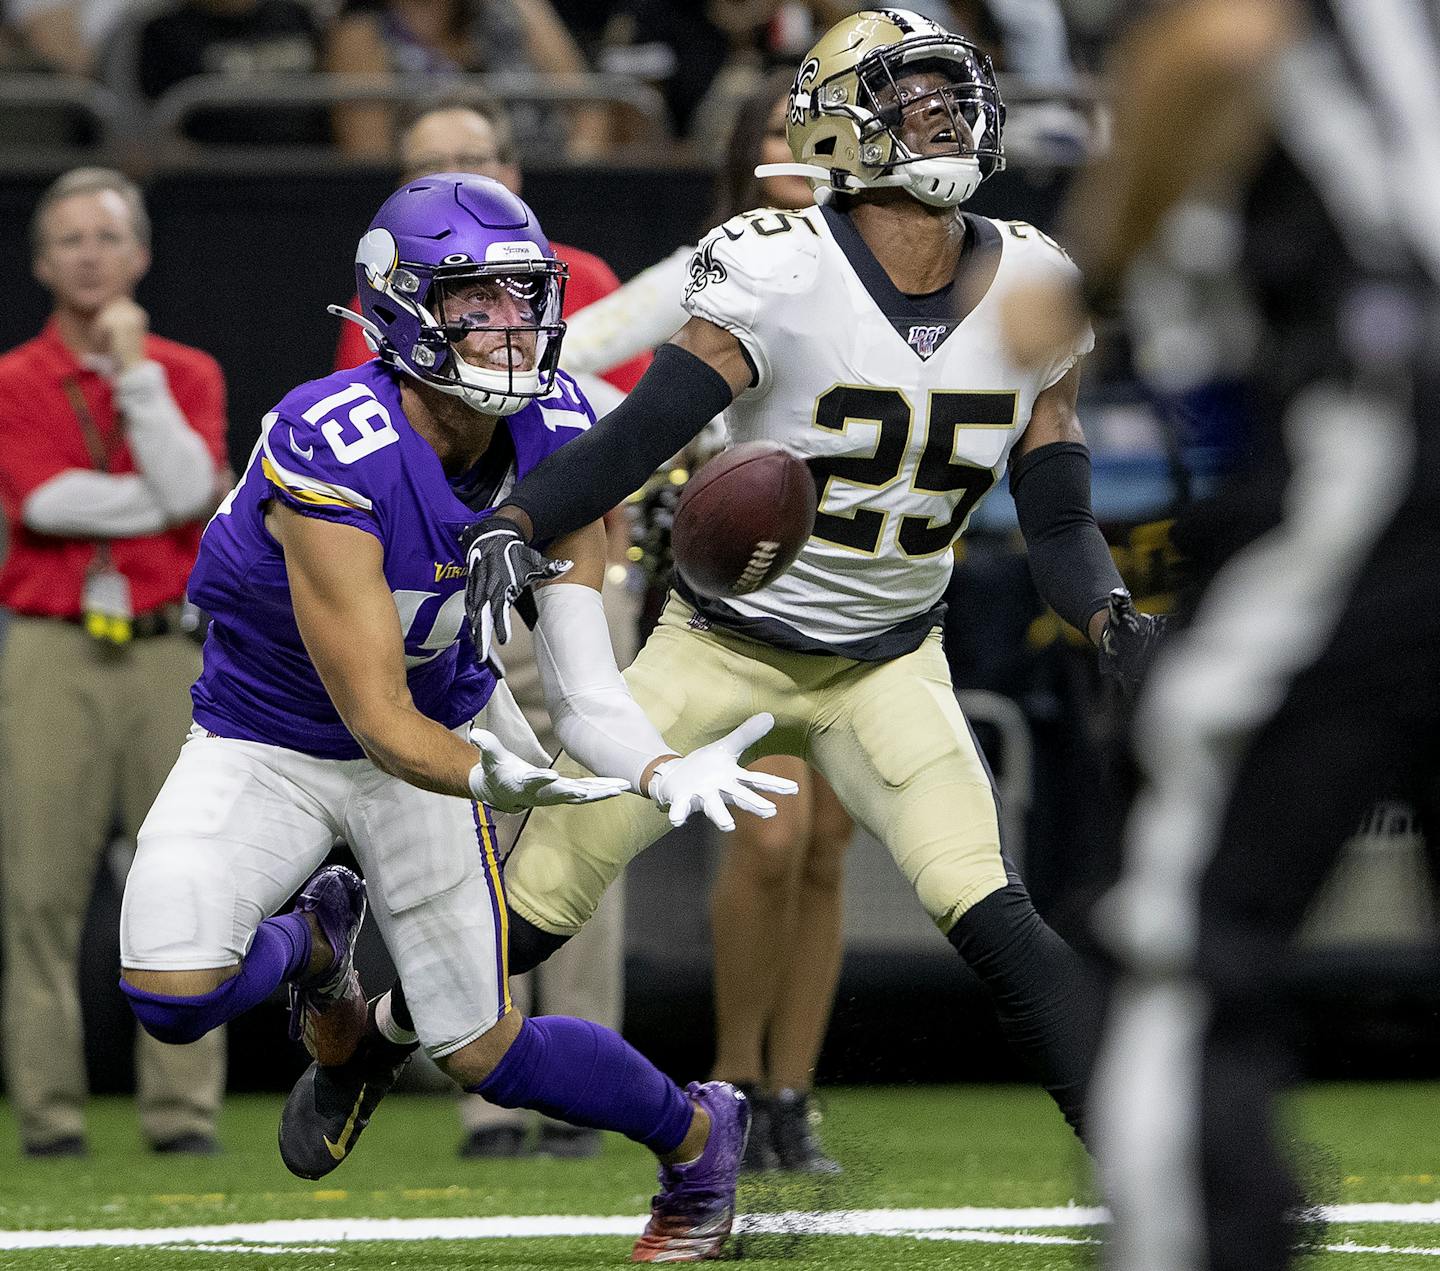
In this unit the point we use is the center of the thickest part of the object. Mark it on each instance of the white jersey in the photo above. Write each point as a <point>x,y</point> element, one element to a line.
<point>905,407</point>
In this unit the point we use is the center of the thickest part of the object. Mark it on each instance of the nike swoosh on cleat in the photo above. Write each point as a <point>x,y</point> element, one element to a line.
<point>338,1150</point>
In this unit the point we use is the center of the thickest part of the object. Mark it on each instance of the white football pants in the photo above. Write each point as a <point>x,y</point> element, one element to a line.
<point>239,826</point>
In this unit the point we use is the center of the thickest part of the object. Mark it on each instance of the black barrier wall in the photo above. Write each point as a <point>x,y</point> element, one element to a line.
<point>245,262</point>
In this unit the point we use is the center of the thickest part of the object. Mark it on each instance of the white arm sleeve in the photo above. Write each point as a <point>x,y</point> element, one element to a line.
<point>170,454</point>
<point>596,719</point>
<point>640,315</point>
<point>79,503</point>
<point>503,717</point>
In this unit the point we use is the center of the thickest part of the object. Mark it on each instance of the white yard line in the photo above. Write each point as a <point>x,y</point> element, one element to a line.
<point>1007,1226</point>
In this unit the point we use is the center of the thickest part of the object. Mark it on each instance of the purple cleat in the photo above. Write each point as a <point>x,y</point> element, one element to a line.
<point>328,1013</point>
<point>690,1219</point>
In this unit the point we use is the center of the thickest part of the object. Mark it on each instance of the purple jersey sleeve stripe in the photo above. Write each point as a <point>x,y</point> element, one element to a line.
<point>327,497</point>
<point>337,513</point>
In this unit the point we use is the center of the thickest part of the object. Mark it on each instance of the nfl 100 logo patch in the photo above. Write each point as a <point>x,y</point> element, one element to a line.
<point>926,337</point>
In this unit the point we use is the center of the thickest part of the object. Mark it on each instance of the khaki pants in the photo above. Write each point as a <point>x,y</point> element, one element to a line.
<point>888,736</point>
<point>87,736</point>
<point>586,978</point>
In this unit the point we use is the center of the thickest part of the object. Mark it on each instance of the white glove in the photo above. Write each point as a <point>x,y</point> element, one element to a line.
<point>707,779</point>
<point>507,783</point>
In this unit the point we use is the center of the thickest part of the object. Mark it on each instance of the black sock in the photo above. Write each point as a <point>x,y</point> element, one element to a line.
<point>378,1044</point>
<point>529,945</point>
<point>400,1008</point>
<point>1044,997</point>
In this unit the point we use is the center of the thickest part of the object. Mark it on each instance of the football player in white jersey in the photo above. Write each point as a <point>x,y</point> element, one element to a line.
<point>862,334</point>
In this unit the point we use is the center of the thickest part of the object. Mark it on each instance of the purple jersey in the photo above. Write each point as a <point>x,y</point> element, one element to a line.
<point>340,448</point>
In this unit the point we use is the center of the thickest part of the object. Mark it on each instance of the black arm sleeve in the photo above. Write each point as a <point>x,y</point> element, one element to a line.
<point>583,480</point>
<point>1069,560</point>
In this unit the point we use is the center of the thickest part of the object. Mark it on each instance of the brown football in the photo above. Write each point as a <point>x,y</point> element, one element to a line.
<point>743,519</point>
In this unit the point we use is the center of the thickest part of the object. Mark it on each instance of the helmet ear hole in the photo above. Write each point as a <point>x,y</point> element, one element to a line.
<point>825,146</point>
<point>385,313</point>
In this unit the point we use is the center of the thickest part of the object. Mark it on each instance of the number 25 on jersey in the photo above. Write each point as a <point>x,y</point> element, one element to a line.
<point>936,471</point>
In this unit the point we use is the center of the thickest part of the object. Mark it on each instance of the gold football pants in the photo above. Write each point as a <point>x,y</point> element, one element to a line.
<point>889,736</point>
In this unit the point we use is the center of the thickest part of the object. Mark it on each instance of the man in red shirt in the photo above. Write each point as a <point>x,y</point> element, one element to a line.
<point>112,451</point>
<point>477,139</point>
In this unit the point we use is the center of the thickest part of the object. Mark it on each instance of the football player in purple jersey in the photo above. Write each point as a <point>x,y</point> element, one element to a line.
<point>337,700</point>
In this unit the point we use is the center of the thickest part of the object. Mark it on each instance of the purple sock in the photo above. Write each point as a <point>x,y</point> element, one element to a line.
<point>279,952</point>
<point>579,1072</point>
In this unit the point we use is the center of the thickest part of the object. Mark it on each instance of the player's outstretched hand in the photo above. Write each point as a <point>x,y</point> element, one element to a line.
<point>507,783</point>
<point>499,565</point>
<point>1129,641</point>
<point>707,779</point>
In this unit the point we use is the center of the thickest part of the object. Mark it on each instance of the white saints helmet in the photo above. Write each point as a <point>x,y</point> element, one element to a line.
<point>855,90</point>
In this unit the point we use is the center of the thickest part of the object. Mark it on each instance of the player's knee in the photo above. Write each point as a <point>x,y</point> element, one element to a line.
<point>176,1018</point>
<point>765,856</point>
<point>823,868</point>
<point>179,902</point>
<point>473,1063</point>
<point>529,945</point>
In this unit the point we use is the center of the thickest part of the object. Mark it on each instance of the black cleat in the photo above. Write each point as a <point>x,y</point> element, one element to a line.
<point>494,1141</point>
<point>759,1155</point>
<point>793,1118</point>
<point>568,1142</point>
<point>66,1147</point>
<point>329,1108</point>
<point>195,1143</point>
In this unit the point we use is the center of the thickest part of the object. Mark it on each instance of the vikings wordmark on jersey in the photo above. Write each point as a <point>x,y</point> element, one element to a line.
<point>906,410</point>
<point>340,448</point>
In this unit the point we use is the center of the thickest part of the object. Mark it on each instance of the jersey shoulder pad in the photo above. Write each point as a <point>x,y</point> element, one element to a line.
<point>566,405</point>
<point>331,446</point>
<point>549,422</point>
<point>752,255</point>
<point>1031,256</point>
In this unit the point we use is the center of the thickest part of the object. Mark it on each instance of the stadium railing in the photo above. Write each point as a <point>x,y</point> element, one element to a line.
<point>70,104</point>
<point>169,116</point>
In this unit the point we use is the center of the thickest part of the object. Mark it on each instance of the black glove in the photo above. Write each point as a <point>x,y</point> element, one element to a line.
<point>500,565</point>
<point>1129,641</point>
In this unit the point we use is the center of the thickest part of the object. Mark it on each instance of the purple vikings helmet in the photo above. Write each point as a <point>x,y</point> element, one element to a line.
<point>451,255</point>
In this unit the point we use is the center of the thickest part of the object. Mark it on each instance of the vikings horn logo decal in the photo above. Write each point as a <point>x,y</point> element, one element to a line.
<point>379,254</point>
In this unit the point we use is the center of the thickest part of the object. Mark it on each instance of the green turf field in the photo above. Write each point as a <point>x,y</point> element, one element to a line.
<point>909,1150</point>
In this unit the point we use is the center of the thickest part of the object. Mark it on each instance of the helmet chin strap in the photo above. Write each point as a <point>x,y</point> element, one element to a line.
<point>483,400</point>
<point>945,182</point>
<point>942,182</point>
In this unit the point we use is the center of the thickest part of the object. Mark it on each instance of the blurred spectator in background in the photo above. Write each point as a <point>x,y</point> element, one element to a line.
<point>112,449</point>
<point>445,37</point>
<point>587,977</point>
<point>65,35</point>
<point>705,58</point>
<point>31,126</point>
<point>780,882</point>
<point>238,39</point>
<point>693,50</point>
